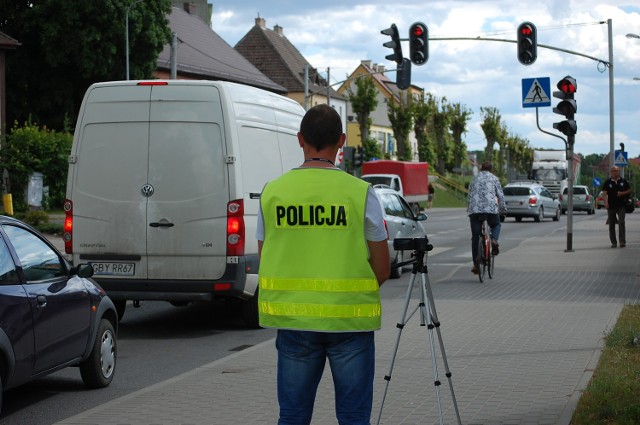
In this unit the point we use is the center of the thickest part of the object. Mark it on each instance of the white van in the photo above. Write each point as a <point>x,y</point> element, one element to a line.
<point>164,185</point>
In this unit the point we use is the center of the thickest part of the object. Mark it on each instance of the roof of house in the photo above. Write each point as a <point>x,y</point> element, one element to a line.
<point>203,53</point>
<point>273,54</point>
<point>7,42</point>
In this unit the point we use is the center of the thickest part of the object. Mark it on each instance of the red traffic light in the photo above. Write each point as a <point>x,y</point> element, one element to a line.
<point>527,42</point>
<point>567,85</point>
<point>418,43</point>
<point>526,30</point>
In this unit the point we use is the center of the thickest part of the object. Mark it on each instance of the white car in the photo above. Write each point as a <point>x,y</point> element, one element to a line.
<point>401,223</point>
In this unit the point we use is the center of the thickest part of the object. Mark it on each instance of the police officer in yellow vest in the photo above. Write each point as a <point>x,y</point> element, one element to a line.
<point>323,255</point>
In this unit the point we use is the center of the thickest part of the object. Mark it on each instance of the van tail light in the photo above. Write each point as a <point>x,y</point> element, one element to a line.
<point>67,229</point>
<point>560,197</point>
<point>533,200</point>
<point>587,197</point>
<point>235,228</point>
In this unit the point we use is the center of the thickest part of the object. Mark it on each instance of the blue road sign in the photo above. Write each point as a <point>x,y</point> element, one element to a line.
<point>597,182</point>
<point>620,159</point>
<point>536,92</point>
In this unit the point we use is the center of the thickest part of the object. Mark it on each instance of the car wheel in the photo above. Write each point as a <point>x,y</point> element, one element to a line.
<point>97,371</point>
<point>518,219</point>
<point>557,216</point>
<point>121,306</point>
<point>563,211</point>
<point>540,215</point>
<point>396,272</point>
<point>250,315</point>
<point>502,218</point>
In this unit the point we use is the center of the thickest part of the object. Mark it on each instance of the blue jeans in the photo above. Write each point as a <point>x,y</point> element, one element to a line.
<point>476,229</point>
<point>301,362</point>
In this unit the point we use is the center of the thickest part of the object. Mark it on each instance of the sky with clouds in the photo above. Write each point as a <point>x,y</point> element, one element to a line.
<point>339,34</point>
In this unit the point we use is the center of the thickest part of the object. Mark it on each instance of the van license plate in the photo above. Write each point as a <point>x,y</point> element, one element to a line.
<point>114,269</point>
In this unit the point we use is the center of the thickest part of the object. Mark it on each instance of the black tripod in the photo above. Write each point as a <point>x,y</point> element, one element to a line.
<point>428,316</point>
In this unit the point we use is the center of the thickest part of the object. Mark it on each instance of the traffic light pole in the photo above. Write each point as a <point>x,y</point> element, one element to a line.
<point>568,145</point>
<point>571,140</point>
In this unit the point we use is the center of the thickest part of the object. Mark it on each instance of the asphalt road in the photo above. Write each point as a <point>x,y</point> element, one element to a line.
<point>158,341</point>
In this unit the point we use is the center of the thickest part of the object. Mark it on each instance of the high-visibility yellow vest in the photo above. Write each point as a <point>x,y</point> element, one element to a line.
<point>314,269</point>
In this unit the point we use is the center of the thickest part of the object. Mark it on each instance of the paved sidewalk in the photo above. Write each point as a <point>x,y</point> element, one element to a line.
<point>521,347</point>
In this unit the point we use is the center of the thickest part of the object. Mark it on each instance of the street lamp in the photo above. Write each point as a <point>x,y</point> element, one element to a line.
<point>126,35</point>
<point>633,36</point>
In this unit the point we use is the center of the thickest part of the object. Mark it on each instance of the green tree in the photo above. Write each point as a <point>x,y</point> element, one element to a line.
<point>31,149</point>
<point>69,45</point>
<point>371,149</point>
<point>493,128</point>
<point>460,117</point>
<point>363,102</point>
<point>518,157</point>
<point>422,127</point>
<point>441,120</point>
<point>400,113</point>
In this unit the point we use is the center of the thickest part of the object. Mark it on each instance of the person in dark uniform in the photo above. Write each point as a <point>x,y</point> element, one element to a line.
<point>616,190</point>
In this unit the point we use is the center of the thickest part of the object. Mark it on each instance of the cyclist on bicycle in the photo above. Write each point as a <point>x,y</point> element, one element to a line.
<point>485,198</point>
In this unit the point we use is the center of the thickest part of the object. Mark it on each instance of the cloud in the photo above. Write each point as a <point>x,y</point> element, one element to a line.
<point>338,35</point>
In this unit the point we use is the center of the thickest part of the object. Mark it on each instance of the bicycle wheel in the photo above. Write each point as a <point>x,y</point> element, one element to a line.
<point>490,259</point>
<point>482,263</point>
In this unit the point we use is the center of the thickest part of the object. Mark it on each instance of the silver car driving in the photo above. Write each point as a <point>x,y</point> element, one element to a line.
<point>401,223</point>
<point>529,199</point>
<point>583,200</point>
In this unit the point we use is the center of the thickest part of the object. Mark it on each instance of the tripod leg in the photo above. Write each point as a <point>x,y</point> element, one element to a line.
<point>426,288</point>
<point>426,307</point>
<point>400,326</point>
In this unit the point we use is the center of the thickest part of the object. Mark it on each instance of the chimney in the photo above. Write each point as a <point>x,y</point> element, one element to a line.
<point>260,22</point>
<point>380,67</point>
<point>278,29</point>
<point>189,7</point>
<point>366,63</point>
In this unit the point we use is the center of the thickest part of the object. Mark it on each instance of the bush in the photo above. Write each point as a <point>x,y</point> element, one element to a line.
<point>36,218</point>
<point>31,149</point>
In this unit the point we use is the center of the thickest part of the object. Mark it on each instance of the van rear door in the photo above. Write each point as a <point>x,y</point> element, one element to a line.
<point>186,209</point>
<point>108,169</point>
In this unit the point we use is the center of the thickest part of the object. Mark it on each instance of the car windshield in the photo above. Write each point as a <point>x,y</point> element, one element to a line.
<point>374,180</point>
<point>516,191</point>
<point>546,174</point>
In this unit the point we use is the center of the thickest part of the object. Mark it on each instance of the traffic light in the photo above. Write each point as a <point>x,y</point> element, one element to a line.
<point>403,75</point>
<point>393,44</point>
<point>527,43</point>
<point>567,106</point>
<point>418,43</point>
<point>358,157</point>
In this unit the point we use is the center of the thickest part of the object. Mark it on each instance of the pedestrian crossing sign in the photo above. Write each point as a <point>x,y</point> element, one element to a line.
<point>620,159</point>
<point>535,92</point>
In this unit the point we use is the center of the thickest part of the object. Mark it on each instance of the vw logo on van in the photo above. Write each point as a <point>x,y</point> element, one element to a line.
<point>147,190</point>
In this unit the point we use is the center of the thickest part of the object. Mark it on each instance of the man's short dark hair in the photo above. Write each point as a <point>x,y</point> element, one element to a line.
<point>321,127</point>
<point>486,166</point>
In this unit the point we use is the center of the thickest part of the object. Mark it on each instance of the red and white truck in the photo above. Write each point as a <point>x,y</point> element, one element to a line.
<point>410,179</point>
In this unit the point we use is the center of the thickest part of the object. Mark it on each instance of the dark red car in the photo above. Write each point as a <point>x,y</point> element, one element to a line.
<point>52,315</point>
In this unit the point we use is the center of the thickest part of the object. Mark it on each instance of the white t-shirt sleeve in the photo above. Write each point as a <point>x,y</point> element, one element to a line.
<point>260,224</point>
<point>374,229</point>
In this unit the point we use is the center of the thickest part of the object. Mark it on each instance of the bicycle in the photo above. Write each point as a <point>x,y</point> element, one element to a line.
<point>486,259</point>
